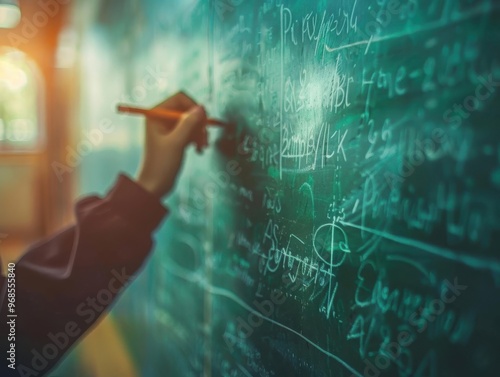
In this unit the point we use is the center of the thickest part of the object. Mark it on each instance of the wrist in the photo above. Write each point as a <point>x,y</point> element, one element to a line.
<point>149,186</point>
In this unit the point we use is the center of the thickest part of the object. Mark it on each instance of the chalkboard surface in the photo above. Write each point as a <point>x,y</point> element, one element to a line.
<point>349,224</point>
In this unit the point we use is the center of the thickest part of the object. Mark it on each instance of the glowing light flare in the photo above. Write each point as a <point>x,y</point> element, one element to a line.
<point>12,77</point>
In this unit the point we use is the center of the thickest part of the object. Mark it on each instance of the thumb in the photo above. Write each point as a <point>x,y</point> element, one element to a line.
<point>191,123</point>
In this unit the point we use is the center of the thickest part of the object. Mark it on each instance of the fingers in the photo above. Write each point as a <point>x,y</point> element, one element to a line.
<point>192,128</point>
<point>202,139</point>
<point>180,101</point>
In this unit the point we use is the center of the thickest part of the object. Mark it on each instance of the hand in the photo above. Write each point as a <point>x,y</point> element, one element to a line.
<point>166,141</point>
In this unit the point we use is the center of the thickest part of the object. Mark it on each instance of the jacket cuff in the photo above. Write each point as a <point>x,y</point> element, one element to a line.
<point>135,204</point>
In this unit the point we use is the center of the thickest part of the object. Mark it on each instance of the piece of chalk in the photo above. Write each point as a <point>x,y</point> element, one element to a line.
<point>164,114</point>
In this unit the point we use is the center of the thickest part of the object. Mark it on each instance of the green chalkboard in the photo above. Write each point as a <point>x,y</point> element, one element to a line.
<point>348,225</point>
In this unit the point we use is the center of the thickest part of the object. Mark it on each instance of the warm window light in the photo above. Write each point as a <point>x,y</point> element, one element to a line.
<point>10,13</point>
<point>13,77</point>
<point>19,102</point>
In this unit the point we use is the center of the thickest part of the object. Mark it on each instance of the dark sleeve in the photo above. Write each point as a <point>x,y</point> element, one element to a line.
<point>66,282</point>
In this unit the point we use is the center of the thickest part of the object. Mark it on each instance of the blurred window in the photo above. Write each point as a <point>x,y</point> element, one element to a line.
<point>20,103</point>
<point>21,153</point>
